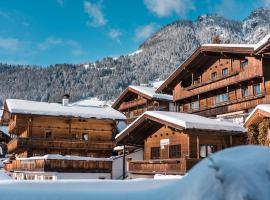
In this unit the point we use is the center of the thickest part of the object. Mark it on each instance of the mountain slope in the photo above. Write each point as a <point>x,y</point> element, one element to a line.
<point>157,57</point>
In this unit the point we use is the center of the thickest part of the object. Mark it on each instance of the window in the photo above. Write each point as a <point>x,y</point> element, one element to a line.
<point>194,105</point>
<point>256,89</point>
<point>221,98</point>
<point>225,72</point>
<point>155,153</point>
<point>172,107</point>
<point>85,136</point>
<point>175,151</point>
<point>197,81</point>
<point>224,97</point>
<point>48,134</point>
<point>214,76</point>
<point>207,150</point>
<point>245,91</point>
<point>244,64</point>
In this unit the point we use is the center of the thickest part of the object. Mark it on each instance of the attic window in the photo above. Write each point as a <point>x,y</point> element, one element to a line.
<point>214,76</point>
<point>244,64</point>
<point>225,72</point>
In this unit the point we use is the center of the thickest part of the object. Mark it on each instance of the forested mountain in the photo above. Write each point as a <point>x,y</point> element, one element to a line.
<point>156,58</point>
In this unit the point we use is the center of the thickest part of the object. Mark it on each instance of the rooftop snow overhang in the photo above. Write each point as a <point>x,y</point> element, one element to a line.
<point>133,90</point>
<point>256,116</point>
<point>108,114</point>
<point>148,123</point>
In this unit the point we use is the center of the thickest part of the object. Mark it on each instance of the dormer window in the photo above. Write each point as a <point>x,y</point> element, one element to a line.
<point>244,64</point>
<point>214,76</point>
<point>225,72</point>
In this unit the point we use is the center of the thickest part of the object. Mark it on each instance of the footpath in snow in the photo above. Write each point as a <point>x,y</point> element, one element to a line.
<point>240,173</point>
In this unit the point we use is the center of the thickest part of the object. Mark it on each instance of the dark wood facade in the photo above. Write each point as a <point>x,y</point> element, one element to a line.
<point>57,165</point>
<point>220,80</point>
<point>186,146</point>
<point>40,135</point>
<point>134,102</point>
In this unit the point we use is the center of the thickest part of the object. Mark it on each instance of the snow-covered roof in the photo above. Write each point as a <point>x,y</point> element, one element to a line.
<point>189,121</point>
<point>255,47</point>
<point>230,45</point>
<point>93,101</point>
<point>61,157</point>
<point>18,106</point>
<point>151,92</point>
<point>262,42</point>
<point>262,107</point>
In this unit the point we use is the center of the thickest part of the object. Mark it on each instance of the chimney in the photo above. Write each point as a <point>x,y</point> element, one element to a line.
<point>65,100</point>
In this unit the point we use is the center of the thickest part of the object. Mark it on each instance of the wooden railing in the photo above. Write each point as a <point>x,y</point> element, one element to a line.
<point>59,165</point>
<point>22,143</point>
<point>245,75</point>
<point>170,166</point>
<point>243,103</point>
<point>131,104</point>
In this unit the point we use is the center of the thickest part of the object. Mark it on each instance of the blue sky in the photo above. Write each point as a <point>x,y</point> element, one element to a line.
<point>44,32</point>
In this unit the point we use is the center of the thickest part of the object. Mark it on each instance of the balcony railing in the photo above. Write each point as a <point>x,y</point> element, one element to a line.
<point>231,79</point>
<point>131,104</point>
<point>169,166</point>
<point>59,165</point>
<point>23,143</point>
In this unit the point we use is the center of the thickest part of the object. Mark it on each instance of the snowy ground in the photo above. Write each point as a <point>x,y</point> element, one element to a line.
<point>241,173</point>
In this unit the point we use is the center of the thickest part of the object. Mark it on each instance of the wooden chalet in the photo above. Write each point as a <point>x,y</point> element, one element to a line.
<point>222,80</point>
<point>174,142</point>
<point>258,125</point>
<point>41,128</point>
<point>135,100</point>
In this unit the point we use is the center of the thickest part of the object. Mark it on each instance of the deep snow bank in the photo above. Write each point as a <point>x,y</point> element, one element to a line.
<point>241,173</point>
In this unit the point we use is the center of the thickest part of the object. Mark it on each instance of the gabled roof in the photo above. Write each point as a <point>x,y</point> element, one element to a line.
<point>263,45</point>
<point>147,92</point>
<point>151,121</point>
<point>260,112</point>
<point>17,106</point>
<point>212,52</point>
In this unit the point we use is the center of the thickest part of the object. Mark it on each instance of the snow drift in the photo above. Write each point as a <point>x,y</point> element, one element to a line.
<point>241,173</point>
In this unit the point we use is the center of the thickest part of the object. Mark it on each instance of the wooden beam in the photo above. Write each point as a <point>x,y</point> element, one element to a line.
<point>198,147</point>
<point>124,162</point>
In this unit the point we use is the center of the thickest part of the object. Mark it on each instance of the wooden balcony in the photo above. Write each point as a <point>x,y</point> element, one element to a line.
<point>231,79</point>
<point>169,166</point>
<point>232,105</point>
<point>26,143</point>
<point>59,165</point>
<point>132,104</point>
